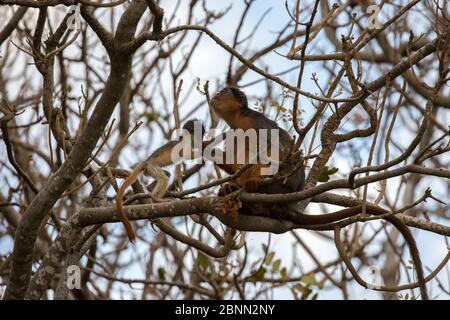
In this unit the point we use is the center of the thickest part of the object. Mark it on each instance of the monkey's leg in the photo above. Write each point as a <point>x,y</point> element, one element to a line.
<point>251,178</point>
<point>162,181</point>
<point>228,188</point>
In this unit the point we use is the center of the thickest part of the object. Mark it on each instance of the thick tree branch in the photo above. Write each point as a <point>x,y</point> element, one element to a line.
<point>61,180</point>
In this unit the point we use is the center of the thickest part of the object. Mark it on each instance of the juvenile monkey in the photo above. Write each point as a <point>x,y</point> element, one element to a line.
<point>153,165</point>
<point>231,105</point>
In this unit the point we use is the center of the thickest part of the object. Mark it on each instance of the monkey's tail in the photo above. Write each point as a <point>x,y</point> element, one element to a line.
<point>296,216</point>
<point>119,203</point>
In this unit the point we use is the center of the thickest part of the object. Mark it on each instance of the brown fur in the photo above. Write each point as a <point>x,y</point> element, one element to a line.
<point>160,158</point>
<point>232,106</point>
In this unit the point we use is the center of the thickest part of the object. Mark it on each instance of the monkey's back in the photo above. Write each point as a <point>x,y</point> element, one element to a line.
<point>252,119</point>
<point>163,155</point>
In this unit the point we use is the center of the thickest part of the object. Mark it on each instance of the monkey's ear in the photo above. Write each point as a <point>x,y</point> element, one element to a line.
<point>240,96</point>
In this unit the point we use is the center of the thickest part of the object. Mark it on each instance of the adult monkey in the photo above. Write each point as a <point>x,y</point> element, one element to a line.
<point>152,166</point>
<point>231,105</point>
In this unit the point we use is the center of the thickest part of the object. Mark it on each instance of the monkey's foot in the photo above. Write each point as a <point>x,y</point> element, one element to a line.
<point>157,199</point>
<point>228,188</point>
<point>230,205</point>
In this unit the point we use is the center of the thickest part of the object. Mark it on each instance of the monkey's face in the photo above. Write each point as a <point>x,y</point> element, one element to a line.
<point>190,126</point>
<point>229,100</point>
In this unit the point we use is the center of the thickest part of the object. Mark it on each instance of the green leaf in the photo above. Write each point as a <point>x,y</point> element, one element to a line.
<point>258,275</point>
<point>299,287</point>
<point>323,177</point>
<point>283,273</point>
<point>309,279</point>
<point>277,106</point>
<point>333,171</point>
<point>151,116</point>
<point>326,173</point>
<point>276,265</point>
<point>161,273</point>
<point>202,261</point>
<point>269,258</point>
<point>294,293</point>
<point>221,279</point>
<point>306,293</point>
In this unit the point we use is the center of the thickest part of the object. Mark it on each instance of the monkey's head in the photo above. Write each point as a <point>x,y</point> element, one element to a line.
<point>190,126</point>
<point>229,100</point>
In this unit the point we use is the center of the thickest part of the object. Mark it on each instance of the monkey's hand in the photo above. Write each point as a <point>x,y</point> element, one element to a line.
<point>157,199</point>
<point>228,188</point>
<point>230,204</point>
